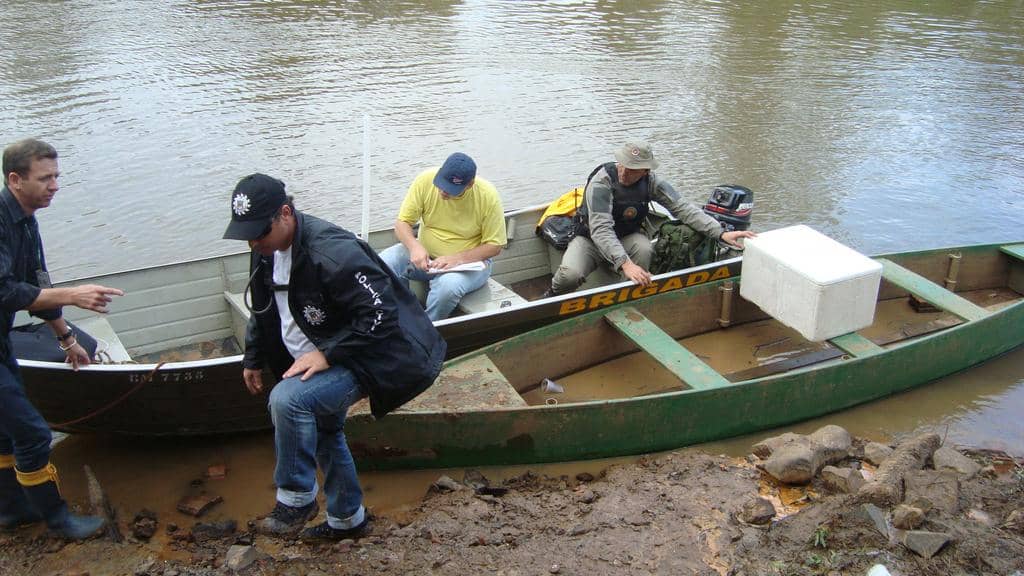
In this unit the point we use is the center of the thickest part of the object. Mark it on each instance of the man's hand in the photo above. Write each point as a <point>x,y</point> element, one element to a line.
<point>419,257</point>
<point>93,297</point>
<point>732,237</point>
<point>77,356</point>
<point>445,262</point>
<point>308,364</point>
<point>636,273</point>
<point>253,380</point>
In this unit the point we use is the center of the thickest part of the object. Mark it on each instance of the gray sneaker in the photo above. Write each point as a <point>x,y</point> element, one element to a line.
<point>285,520</point>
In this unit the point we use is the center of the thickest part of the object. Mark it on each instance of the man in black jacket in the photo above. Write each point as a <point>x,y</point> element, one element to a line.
<point>28,481</point>
<point>333,324</point>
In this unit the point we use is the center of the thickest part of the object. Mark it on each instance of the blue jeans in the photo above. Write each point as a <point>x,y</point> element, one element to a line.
<point>445,290</point>
<point>309,420</point>
<point>23,431</point>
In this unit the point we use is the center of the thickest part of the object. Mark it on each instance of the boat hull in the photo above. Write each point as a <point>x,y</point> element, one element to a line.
<point>657,422</point>
<point>662,422</point>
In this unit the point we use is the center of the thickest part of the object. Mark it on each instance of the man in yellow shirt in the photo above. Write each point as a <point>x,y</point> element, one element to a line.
<point>462,225</point>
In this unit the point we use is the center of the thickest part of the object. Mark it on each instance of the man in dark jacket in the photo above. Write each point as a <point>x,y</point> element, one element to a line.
<point>334,324</point>
<point>28,481</point>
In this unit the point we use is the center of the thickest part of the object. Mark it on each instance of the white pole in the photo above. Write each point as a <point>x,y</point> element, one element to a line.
<point>365,229</point>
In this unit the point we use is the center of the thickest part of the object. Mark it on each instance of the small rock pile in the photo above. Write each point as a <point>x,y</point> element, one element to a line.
<point>913,480</point>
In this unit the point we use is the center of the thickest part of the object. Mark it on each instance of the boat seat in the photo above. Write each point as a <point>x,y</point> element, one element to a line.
<point>491,296</point>
<point>930,291</point>
<point>107,342</point>
<point>239,314</point>
<point>1015,250</point>
<point>665,349</point>
<point>473,384</point>
<point>856,345</point>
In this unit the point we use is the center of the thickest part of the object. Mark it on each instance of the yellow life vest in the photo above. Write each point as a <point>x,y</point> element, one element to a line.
<point>565,205</point>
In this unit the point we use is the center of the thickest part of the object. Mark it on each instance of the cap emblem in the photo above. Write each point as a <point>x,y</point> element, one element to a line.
<point>314,315</point>
<point>456,180</point>
<point>240,204</point>
<point>635,152</point>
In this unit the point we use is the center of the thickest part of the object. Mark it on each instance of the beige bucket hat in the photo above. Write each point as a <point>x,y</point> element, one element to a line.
<point>636,156</point>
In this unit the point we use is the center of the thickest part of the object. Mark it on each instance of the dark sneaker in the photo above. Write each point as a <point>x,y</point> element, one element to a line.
<point>284,520</point>
<point>324,532</point>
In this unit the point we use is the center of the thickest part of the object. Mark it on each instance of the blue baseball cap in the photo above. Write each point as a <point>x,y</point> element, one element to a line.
<point>455,174</point>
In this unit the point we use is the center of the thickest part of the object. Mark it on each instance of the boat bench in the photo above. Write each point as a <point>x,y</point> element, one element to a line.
<point>491,296</point>
<point>473,384</point>
<point>239,314</point>
<point>107,342</point>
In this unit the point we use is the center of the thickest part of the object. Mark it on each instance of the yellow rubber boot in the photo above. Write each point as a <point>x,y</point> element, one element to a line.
<point>43,492</point>
<point>15,509</point>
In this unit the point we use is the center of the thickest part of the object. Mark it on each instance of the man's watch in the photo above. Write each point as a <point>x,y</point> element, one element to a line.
<point>65,336</point>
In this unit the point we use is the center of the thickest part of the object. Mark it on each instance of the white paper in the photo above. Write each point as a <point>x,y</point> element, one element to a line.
<point>467,267</point>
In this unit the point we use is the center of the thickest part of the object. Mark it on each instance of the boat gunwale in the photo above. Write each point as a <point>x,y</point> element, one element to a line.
<point>590,292</point>
<point>135,367</point>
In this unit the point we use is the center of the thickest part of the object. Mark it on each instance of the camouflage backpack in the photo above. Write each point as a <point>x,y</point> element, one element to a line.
<point>678,246</point>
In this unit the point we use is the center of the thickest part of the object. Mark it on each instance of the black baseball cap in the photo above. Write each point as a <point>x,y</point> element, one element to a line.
<point>254,203</point>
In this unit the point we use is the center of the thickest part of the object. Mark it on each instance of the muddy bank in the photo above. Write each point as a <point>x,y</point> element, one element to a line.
<point>686,512</point>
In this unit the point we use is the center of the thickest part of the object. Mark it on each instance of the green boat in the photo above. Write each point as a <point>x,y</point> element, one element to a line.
<point>697,364</point>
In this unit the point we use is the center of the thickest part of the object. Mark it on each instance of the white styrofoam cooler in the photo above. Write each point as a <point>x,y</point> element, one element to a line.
<point>810,282</point>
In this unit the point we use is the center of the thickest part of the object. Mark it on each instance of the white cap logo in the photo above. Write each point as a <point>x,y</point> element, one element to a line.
<point>240,204</point>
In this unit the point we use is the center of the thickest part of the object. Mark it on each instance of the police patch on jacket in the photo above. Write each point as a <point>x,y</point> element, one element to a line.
<point>314,316</point>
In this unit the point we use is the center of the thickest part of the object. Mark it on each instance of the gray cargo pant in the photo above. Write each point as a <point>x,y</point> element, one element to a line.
<point>582,257</point>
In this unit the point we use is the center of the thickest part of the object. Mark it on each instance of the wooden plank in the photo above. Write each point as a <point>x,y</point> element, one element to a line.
<point>930,291</point>
<point>663,348</point>
<point>1015,250</point>
<point>856,345</point>
<point>466,385</point>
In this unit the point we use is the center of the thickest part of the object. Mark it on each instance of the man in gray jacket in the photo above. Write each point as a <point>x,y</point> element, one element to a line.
<point>610,221</point>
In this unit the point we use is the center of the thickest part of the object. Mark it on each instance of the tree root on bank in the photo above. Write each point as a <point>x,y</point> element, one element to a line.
<point>886,489</point>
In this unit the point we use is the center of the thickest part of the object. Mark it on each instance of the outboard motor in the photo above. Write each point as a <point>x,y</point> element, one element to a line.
<point>731,205</point>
